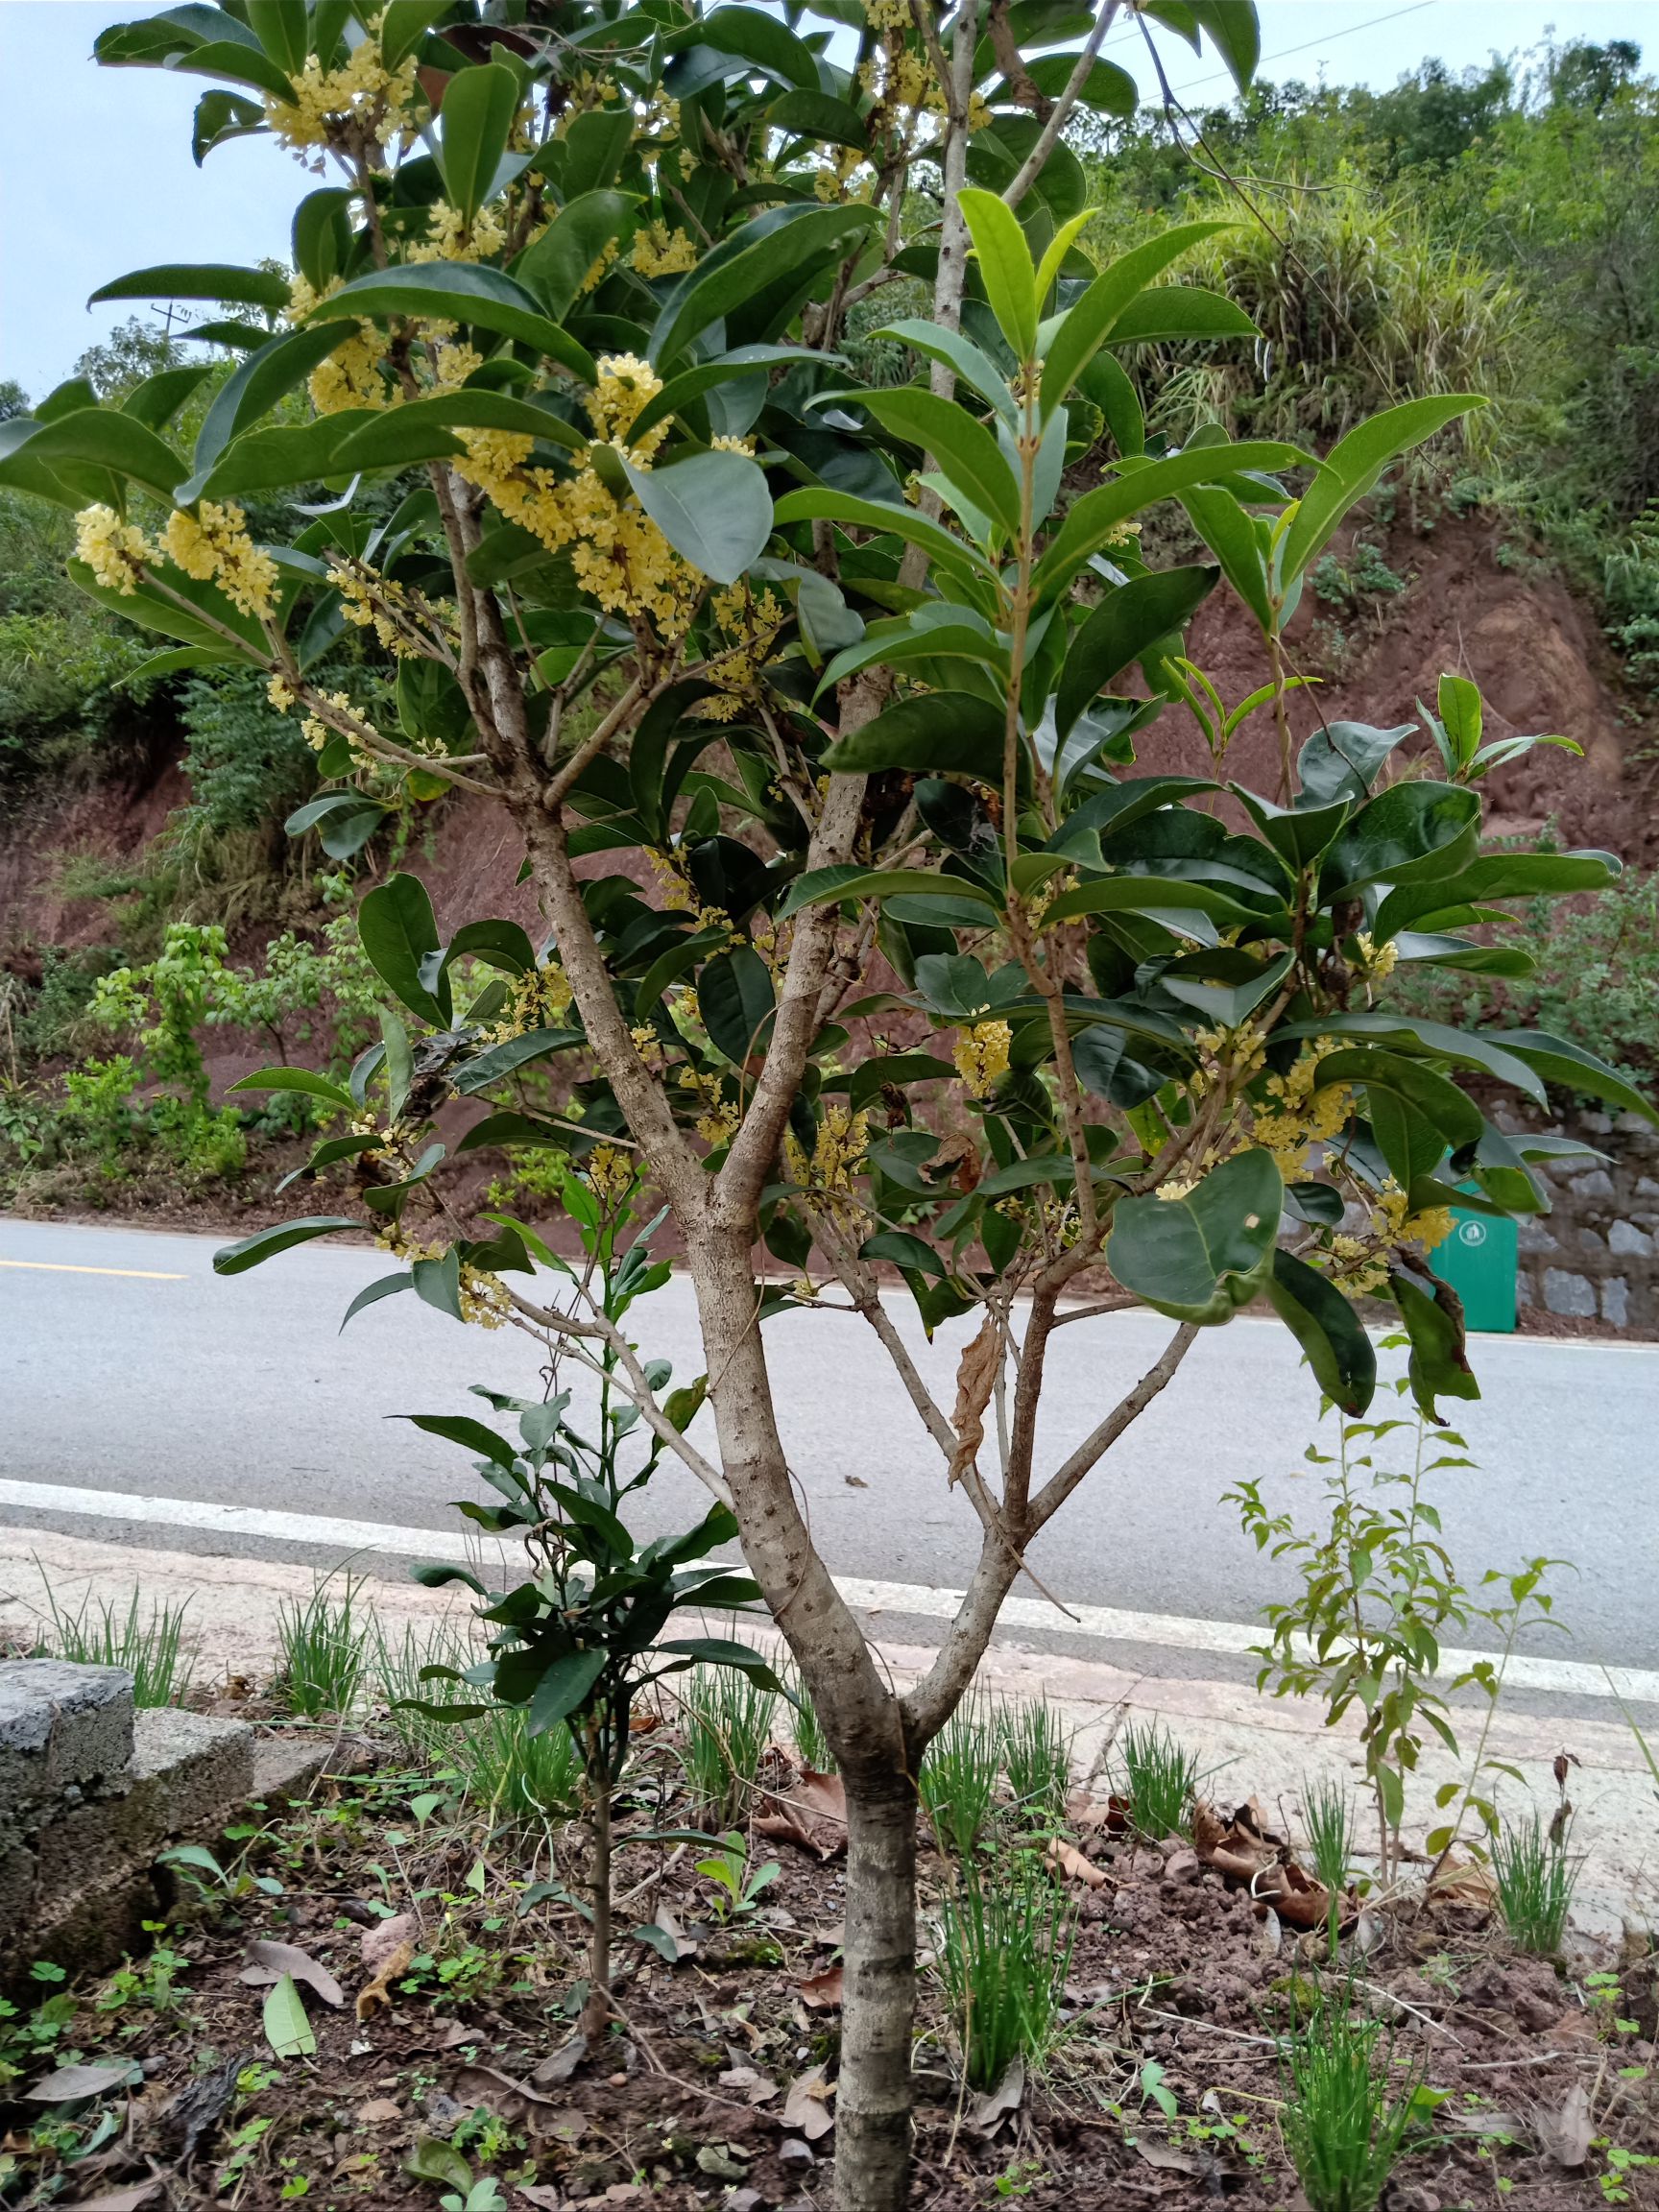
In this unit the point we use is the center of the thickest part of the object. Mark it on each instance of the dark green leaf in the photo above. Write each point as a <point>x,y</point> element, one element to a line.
<point>713,509</point>
<point>301,1079</point>
<point>736,997</point>
<point>1354,463</point>
<point>1084,327</point>
<point>199,280</point>
<point>774,245</point>
<point>935,732</point>
<point>962,446</point>
<point>1121,629</point>
<point>266,1243</point>
<point>557,265</point>
<point>1201,1256</point>
<point>399,929</point>
<point>1439,1364</point>
<point>459,292</point>
<point>1408,833</point>
<point>1327,1330</point>
<point>475,123</point>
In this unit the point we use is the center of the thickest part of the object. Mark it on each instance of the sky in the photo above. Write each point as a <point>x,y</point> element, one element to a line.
<point>96,177</point>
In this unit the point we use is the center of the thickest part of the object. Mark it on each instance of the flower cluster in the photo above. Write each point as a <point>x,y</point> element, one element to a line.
<point>1304,1112</point>
<point>680,895</point>
<point>374,602</point>
<point>115,551</point>
<point>450,237</point>
<point>609,1175</point>
<point>350,376</point>
<point>1358,1265</point>
<point>659,251</point>
<point>539,1000</point>
<point>213,546</point>
<point>720,1119</point>
<point>982,1054</point>
<point>838,1153</point>
<point>754,624</point>
<point>363,102</point>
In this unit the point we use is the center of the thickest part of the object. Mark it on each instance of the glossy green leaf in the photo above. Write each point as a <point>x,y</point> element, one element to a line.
<point>713,509</point>
<point>819,115</point>
<point>405,23</point>
<point>1342,760</point>
<point>562,1689</point>
<point>960,445</point>
<point>830,506</point>
<point>1202,1257</point>
<point>933,734</point>
<point>1121,629</point>
<point>221,115</point>
<point>265,1244</point>
<point>199,280</point>
<point>851,881</point>
<point>1179,312</point>
<point>1085,326</point>
<point>475,123</point>
<point>1327,1330</point>
<point>969,363</point>
<point>775,245</point>
<point>736,997</point>
<point>1092,522</point>
<point>103,437</point>
<point>1232,26</point>
<point>458,292</point>
<point>1408,833</point>
<point>281,28</point>
<point>754,36</point>
<point>1495,876</point>
<point>556,266</point>
<point>1356,461</point>
<point>1006,264</point>
<point>499,1061</point>
<point>1560,1061</point>
<point>1457,1117</point>
<point>1439,1364</point>
<point>399,929</point>
<point>256,385</point>
<point>300,1079</point>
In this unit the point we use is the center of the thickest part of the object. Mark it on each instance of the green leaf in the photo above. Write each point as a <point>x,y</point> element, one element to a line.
<point>713,509</point>
<point>976,368</point>
<point>811,114</point>
<point>475,122</point>
<point>1234,28</point>
<point>1559,1061</point>
<point>1439,1364</point>
<point>1092,520</point>
<point>563,1688</point>
<point>756,36</point>
<point>1135,893</point>
<point>1494,876</point>
<point>935,732</point>
<point>432,2159</point>
<point>499,1061</point>
<point>736,997</point>
<point>266,1243</point>
<point>199,280</point>
<point>267,375</point>
<point>1327,1330</point>
<point>1121,629</point>
<point>848,881</point>
<point>1176,312</point>
<point>829,506</point>
<point>403,26</point>
<point>1202,1257</point>
<point>690,384</point>
<point>1085,326</point>
<point>1408,833</point>
<point>459,292</point>
<point>461,1429</point>
<point>1342,759</point>
<point>1353,466</point>
<point>302,1079</point>
<point>106,439</point>
<point>1006,264</point>
<point>399,929</point>
<point>556,266</point>
<point>962,446</point>
<point>221,115</point>
<point>287,2030</point>
<point>281,28</point>
<point>773,246</point>
<point>1461,715</point>
<point>159,398</point>
<point>1456,1118</point>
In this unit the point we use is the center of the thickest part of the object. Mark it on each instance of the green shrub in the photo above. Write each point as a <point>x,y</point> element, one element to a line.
<point>1535,1881</point>
<point>323,1642</point>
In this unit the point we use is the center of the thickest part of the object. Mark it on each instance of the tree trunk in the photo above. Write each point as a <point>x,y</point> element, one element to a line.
<point>873,2099</point>
<point>596,2013</point>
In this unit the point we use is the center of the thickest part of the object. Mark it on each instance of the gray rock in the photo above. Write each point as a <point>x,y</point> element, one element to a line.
<point>1646,1187</point>
<point>1592,1241</point>
<point>60,1725</point>
<point>1534,1237</point>
<point>1598,1184</point>
<point>1616,1302</point>
<point>1629,1242</point>
<point>1597,1125</point>
<point>1564,1293</point>
<point>1523,1291</point>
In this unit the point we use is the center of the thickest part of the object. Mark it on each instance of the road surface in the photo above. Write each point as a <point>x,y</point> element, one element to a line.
<point>160,1393</point>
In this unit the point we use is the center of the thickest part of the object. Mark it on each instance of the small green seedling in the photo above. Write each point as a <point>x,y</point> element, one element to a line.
<point>739,1890</point>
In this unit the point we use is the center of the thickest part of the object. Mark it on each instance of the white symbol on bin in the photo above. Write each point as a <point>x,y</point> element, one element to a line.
<point>1471,1233</point>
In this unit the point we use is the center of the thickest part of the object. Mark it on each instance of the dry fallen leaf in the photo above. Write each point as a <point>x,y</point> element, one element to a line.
<point>977,1375</point>
<point>376,1944</point>
<point>1165,2158</point>
<point>482,2083</point>
<point>1066,1859</point>
<point>533,2192</point>
<point>812,1811</point>
<point>118,2199</point>
<point>986,2113</point>
<point>378,2112</point>
<point>806,2108</point>
<point>553,2073</point>
<point>822,1992</point>
<point>378,1991</point>
<point>754,2088</point>
<point>1465,1885</point>
<point>269,1962</point>
<point>1565,2133</point>
<point>69,2085</point>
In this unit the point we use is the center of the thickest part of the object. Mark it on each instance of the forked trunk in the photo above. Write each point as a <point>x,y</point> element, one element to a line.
<point>873,2099</point>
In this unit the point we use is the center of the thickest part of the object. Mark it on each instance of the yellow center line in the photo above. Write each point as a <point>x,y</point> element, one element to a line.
<point>61,1267</point>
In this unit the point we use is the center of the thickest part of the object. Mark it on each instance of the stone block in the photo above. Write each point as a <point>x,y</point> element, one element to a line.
<point>1629,1242</point>
<point>1598,1124</point>
<point>1598,1184</point>
<point>1616,1302</point>
<point>189,1770</point>
<point>284,1770</point>
<point>1534,1237</point>
<point>1592,1241</point>
<point>1646,1187</point>
<point>1564,1293</point>
<point>1523,1291</point>
<point>62,1726</point>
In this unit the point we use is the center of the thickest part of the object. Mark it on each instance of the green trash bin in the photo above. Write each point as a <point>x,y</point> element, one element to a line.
<point>1481,1261</point>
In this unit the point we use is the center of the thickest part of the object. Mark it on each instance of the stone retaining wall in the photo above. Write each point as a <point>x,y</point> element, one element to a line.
<point>1594,1257</point>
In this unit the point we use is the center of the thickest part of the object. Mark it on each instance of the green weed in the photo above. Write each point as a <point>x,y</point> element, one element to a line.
<point>1535,1882</point>
<point>149,1645</point>
<point>810,1739</point>
<point>1037,1759</point>
<point>959,1777</point>
<point>1004,1953</point>
<point>324,1645</point>
<point>1343,2128</point>
<point>1160,1779</point>
<point>726,1720</point>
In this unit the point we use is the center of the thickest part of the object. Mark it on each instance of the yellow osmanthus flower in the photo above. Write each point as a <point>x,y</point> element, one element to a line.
<point>363,100</point>
<point>755,625</point>
<point>450,237</point>
<point>539,1000</point>
<point>115,551</point>
<point>888,14</point>
<point>373,602</point>
<point>649,1047</point>
<point>659,251</point>
<point>452,362</point>
<point>609,1175</point>
<point>626,387</point>
<point>350,376</point>
<point>213,546</point>
<point>681,896</point>
<point>720,1119</point>
<point>281,693</point>
<point>1377,961</point>
<point>1304,1113</point>
<point>604,262</point>
<point>838,1153</point>
<point>982,1054</point>
<point>303,296</point>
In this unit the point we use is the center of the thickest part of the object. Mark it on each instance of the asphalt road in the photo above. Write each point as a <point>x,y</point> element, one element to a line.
<point>128,1366</point>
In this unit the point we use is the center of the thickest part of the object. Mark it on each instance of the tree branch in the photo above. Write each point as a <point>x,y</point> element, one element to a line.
<point>1100,1440</point>
<point>1032,168</point>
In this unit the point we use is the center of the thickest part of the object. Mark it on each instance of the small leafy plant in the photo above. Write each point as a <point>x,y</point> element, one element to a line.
<point>959,1777</point>
<point>1345,2124</point>
<point>737,1890</point>
<point>1160,1779</point>
<point>1004,1952</point>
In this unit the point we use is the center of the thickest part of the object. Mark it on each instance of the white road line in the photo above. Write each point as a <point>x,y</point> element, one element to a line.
<point>918,1600</point>
<point>61,1267</point>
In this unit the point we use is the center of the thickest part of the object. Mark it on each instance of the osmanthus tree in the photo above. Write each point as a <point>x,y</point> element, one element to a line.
<point>866,944</point>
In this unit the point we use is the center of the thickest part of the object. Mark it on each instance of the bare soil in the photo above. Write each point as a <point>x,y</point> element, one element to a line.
<point>714,2084</point>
